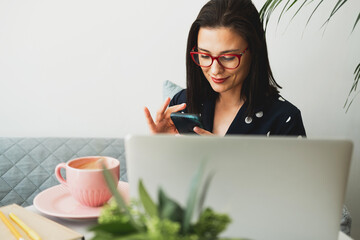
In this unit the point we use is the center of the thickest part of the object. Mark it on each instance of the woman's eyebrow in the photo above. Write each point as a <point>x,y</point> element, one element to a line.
<point>223,52</point>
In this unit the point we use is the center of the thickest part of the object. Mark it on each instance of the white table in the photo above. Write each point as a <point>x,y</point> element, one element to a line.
<point>82,226</point>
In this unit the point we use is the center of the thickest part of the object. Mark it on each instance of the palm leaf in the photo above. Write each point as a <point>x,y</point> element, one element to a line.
<point>351,102</point>
<point>293,3</point>
<point>298,10</point>
<point>266,11</point>
<point>338,5</point>
<point>270,5</point>
<point>356,79</point>
<point>353,88</point>
<point>283,10</point>
<point>357,20</point>
<point>317,6</point>
<point>277,4</point>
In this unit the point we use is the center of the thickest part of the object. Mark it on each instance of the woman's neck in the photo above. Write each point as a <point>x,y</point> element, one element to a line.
<point>226,108</point>
<point>229,99</point>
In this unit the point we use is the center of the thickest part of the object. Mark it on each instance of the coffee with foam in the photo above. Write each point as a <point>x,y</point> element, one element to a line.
<point>91,164</point>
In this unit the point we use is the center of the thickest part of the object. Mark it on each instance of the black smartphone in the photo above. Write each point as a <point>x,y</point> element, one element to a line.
<point>185,122</point>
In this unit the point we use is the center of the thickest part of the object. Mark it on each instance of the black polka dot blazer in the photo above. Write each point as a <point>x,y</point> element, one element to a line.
<point>276,117</point>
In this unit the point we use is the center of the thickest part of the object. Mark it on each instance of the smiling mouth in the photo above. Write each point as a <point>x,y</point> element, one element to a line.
<point>218,80</point>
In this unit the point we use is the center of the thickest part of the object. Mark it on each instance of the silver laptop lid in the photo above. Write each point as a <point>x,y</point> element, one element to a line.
<point>272,188</point>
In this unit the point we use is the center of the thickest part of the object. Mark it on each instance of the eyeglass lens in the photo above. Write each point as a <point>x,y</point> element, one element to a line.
<point>205,60</point>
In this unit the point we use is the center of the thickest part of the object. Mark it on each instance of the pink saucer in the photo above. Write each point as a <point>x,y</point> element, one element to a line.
<point>58,202</point>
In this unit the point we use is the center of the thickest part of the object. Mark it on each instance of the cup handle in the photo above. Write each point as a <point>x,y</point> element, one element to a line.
<point>58,173</point>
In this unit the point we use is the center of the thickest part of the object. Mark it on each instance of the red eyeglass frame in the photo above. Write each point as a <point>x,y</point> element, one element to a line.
<point>217,58</point>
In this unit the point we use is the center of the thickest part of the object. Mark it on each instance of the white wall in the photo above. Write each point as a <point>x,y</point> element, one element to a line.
<point>86,68</point>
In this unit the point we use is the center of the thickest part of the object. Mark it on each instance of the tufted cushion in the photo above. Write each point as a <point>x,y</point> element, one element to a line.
<point>170,89</point>
<point>27,164</point>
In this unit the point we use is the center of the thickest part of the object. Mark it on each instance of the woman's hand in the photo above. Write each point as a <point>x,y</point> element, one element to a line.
<point>163,122</point>
<point>201,131</point>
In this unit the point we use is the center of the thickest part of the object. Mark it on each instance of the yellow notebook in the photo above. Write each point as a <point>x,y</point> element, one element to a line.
<point>46,228</point>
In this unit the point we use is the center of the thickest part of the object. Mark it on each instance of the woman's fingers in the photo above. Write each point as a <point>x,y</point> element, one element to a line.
<point>150,120</point>
<point>201,131</point>
<point>162,121</point>
<point>165,104</point>
<point>175,108</point>
<point>162,110</point>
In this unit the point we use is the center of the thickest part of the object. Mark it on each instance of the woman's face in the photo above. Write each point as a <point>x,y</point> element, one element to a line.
<point>223,40</point>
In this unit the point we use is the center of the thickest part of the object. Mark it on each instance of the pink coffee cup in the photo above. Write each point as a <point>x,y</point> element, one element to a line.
<point>85,179</point>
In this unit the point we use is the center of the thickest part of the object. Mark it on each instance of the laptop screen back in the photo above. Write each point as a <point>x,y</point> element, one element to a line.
<point>272,188</point>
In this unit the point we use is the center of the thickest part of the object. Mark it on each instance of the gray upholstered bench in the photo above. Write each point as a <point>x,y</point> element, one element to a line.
<point>27,164</point>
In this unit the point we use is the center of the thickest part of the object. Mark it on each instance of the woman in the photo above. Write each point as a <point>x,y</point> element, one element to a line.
<point>229,80</point>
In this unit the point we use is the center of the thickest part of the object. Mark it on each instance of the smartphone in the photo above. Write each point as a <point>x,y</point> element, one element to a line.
<point>185,122</point>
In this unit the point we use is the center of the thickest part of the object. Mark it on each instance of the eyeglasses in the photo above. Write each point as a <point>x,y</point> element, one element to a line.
<point>227,61</point>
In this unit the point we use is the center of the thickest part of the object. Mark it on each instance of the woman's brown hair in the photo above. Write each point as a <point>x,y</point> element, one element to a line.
<point>242,17</point>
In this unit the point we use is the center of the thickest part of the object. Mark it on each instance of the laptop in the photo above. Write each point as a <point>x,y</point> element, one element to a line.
<point>272,188</point>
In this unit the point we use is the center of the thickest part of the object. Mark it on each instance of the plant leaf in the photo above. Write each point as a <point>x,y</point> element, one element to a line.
<point>317,6</point>
<point>134,236</point>
<point>291,5</point>
<point>273,6</point>
<point>298,10</point>
<point>194,187</point>
<point>357,20</point>
<point>282,11</point>
<point>263,12</point>
<point>115,227</point>
<point>146,200</point>
<point>351,102</point>
<point>204,192</point>
<point>338,5</point>
<point>112,185</point>
<point>266,11</point>
<point>106,236</point>
<point>169,209</point>
<point>353,88</point>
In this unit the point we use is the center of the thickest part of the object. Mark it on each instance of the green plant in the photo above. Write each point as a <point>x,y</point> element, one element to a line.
<point>270,5</point>
<point>167,220</point>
